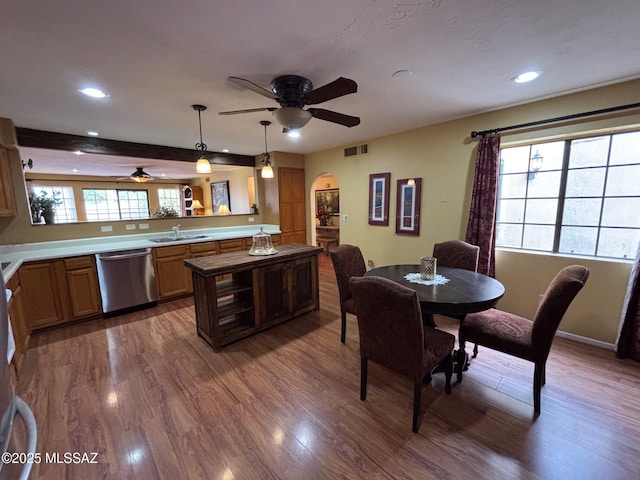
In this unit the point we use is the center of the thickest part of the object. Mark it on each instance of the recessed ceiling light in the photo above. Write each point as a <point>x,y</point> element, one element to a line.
<point>293,133</point>
<point>75,170</point>
<point>93,134</point>
<point>525,77</point>
<point>78,152</point>
<point>225,150</point>
<point>93,92</point>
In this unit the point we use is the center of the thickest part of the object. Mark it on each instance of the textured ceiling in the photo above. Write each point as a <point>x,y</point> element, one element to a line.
<point>157,58</point>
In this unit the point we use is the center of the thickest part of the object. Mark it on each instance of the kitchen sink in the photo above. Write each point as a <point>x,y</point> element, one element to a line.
<point>180,238</point>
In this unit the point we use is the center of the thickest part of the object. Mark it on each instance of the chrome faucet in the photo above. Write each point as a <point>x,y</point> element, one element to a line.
<point>176,231</point>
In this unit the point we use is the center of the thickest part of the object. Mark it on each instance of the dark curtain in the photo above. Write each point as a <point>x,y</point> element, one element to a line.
<point>629,340</point>
<point>482,214</point>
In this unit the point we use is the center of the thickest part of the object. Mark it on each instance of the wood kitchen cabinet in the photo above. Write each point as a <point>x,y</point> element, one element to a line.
<point>173,279</point>
<point>82,289</point>
<point>41,283</point>
<point>7,196</point>
<point>262,291</point>
<point>21,330</point>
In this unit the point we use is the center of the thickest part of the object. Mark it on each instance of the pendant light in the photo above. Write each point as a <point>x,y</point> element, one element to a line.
<point>267,170</point>
<point>202,165</point>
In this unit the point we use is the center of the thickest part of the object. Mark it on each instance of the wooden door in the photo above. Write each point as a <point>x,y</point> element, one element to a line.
<point>293,222</point>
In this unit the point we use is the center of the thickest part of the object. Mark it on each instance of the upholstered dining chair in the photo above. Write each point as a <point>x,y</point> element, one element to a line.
<point>347,262</point>
<point>524,338</point>
<point>457,254</point>
<point>392,335</point>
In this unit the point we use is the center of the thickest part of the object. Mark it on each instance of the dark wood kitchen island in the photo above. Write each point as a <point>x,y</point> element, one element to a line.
<point>237,294</point>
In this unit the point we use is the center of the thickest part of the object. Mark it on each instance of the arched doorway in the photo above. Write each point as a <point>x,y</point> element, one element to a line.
<point>325,211</point>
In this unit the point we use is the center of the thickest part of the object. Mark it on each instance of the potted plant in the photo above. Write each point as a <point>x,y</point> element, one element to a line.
<point>44,206</point>
<point>164,212</point>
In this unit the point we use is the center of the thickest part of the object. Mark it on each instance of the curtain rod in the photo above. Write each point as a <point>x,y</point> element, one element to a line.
<point>482,133</point>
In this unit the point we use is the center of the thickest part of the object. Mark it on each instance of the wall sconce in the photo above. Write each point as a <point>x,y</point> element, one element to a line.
<point>535,164</point>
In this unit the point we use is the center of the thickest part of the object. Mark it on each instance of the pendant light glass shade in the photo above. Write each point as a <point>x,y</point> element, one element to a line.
<point>267,172</point>
<point>203,166</point>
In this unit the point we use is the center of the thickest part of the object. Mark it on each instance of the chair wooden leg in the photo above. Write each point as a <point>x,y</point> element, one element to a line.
<point>538,381</point>
<point>447,365</point>
<point>461,358</point>
<point>363,378</point>
<point>417,403</point>
<point>343,331</point>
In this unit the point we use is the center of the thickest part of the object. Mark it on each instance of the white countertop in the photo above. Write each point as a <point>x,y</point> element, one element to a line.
<point>14,255</point>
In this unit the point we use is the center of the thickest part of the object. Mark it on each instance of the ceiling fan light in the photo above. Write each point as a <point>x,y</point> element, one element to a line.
<point>140,176</point>
<point>292,118</point>
<point>266,172</point>
<point>203,166</point>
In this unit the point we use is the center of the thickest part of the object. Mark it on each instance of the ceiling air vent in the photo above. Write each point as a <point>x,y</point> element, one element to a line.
<point>357,150</point>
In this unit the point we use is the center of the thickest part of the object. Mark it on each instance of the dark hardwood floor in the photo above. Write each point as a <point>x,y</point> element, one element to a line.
<point>155,402</point>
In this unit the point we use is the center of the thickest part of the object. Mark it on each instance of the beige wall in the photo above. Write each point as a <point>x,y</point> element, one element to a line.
<point>443,156</point>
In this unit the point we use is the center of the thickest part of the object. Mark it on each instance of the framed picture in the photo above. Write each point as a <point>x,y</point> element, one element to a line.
<point>379,184</point>
<point>408,207</point>
<point>220,203</point>
<point>327,205</point>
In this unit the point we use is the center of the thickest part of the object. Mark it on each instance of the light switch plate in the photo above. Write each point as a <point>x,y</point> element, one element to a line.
<point>345,218</point>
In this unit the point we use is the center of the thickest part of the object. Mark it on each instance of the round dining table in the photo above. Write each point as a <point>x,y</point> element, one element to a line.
<point>465,292</point>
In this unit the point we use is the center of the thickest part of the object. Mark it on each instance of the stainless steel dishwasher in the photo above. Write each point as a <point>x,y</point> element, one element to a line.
<point>127,279</point>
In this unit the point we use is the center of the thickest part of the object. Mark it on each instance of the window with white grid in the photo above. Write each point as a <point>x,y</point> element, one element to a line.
<point>169,198</point>
<point>577,196</point>
<point>110,204</point>
<point>65,212</point>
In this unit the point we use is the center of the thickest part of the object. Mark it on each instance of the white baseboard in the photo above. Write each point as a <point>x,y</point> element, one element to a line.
<point>587,340</point>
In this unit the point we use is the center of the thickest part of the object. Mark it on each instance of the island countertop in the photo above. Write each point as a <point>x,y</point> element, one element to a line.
<point>235,261</point>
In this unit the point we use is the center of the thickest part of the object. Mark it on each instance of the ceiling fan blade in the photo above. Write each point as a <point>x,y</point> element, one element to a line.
<point>335,117</point>
<point>243,82</point>
<point>249,110</point>
<point>337,88</point>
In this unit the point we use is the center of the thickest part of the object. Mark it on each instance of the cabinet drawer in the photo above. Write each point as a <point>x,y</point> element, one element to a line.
<point>75,263</point>
<point>232,245</point>
<point>174,251</point>
<point>211,248</point>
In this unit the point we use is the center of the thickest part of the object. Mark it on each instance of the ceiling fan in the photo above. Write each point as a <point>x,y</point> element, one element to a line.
<point>139,176</point>
<point>293,93</point>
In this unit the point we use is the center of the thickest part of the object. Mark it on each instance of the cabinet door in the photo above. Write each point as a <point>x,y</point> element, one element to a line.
<point>40,287</point>
<point>84,293</point>
<point>21,330</point>
<point>7,197</point>
<point>274,294</point>
<point>303,278</point>
<point>173,278</point>
<point>293,222</point>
